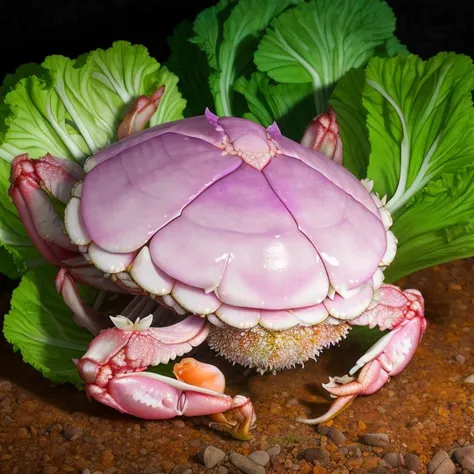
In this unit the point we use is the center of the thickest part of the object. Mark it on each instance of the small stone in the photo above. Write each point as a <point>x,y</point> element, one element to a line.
<point>340,470</point>
<point>376,439</point>
<point>222,470</point>
<point>274,450</point>
<point>319,470</point>
<point>336,436</point>
<point>6,402</point>
<point>323,429</point>
<point>317,456</point>
<point>86,471</point>
<point>211,456</point>
<point>181,469</point>
<point>413,462</point>
<point>469,379</point>
<point>5,386</point>
<point>178,423</point>
<point>244,464</point>
<point>362,426</point>
<point>381,410</point>
<point>358,452</point>
<point>441,464</point>
<point>460,358</point>
<point>260,457</point>
<point>292,402</point>
<point>394,459</point>
<point>275,409</point>
<point>110,470</point>
<point>72,432</point>
<point>465,457</point>
<point>143,452</point>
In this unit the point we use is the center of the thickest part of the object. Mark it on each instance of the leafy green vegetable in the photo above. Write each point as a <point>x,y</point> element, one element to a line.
<point>266,101</point>
<point>71,109</point>
<point>40,326</point>
<point>193,71</point>
<point>228,33</point>
<point>351,116</point>
<point>420,121</point>
<point>416,120</point>
<point>319,41</point>
<point>437,226</point>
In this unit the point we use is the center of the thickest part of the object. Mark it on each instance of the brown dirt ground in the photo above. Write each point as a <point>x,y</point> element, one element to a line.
<point>426,408</point>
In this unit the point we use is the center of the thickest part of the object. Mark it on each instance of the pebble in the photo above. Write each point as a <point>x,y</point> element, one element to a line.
<point>469,379</point>
<point>222,470</point>
<point>211,456</point>
<point>336,436</point>
<point>394,459</point>
<point>181,469</point>
<point>413,462</point>
<point>465,457</point>
<point>5,386</point>
<point>110,470</point>
<point>358,452</point>
<point>441,464</point>
<point>86,471</point>
<point>317,456</point>
<point>260,457</point>
<point>460,358</point>
<point>323,429</point>
<point>245,464</point>
<point>274,450</point>
<point>72,433</point>
<point>376,439</point>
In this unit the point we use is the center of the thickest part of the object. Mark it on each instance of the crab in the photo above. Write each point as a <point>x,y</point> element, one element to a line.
<point>264,247</point>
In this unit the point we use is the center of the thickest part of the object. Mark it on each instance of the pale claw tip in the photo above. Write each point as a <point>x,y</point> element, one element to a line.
<point>336,408</point>
<point>122,322</point>
<point>144,324</point>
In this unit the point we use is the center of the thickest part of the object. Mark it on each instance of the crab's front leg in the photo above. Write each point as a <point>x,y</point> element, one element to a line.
<point>403,313</point>
<point>113,370</point>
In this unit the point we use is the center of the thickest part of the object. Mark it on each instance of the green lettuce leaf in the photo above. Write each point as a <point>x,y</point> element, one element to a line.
<point>291,103</point>
<point>189,63</point>
<point>71,109</point>
<point>318,41</point>
<point>351,117</point>
<point>420,120</point>
<point>40,326</point>
<point>437,226</point>
<point>415,120</point>
<point>229,33</point>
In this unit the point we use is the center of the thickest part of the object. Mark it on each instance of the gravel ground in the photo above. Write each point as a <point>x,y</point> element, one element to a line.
<point>417,423</point>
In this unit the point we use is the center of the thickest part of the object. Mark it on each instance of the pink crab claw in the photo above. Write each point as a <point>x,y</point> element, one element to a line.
<point>403,313</point>
<point>322,134</point>
<point>140,113</point>
<point>33,183</point>
<point>113,366</point>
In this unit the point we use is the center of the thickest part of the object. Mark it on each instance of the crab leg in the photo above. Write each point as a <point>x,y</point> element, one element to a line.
<point>33,182</point>
<point>113,366</point>
<point>140,113</point>
<point>403,313</point>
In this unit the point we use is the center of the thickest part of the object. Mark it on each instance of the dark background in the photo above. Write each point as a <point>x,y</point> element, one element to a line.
<point>31,30</point>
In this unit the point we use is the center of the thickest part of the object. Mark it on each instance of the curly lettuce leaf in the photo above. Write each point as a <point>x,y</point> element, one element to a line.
<point>420,120</point>
<point>71,109</point>
<point>437,226</point>
<point>40,326</point>
<point>229,33</point>
<point>318,41</point>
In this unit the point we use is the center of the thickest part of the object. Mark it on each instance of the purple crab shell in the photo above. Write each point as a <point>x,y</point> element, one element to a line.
<point>237,213</point>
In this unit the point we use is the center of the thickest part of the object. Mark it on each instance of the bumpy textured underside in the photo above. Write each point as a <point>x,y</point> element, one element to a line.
<point>223,217</point>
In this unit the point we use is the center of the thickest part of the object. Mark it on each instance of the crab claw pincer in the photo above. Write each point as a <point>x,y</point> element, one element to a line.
<point>33,182</point>
<point>403,313</point>
<point>113,371</point>
<point>322,135</point>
